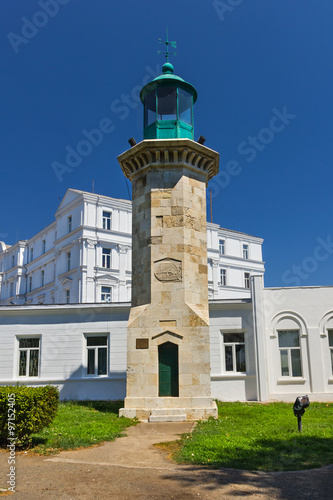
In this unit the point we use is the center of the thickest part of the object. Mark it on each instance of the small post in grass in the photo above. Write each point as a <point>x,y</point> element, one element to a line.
<point>301,403</point>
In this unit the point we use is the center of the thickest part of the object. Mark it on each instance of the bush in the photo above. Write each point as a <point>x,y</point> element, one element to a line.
<point>30,409</point>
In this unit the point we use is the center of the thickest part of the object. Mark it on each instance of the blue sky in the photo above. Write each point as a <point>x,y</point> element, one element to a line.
<point>263,72</point>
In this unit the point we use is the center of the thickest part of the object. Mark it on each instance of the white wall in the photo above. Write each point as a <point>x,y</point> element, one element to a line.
<point>232,318</point>
<point>62,332</point>
<point>309,310</point>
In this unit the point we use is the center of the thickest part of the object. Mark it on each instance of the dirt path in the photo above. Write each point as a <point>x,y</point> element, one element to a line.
<point>132,468</point>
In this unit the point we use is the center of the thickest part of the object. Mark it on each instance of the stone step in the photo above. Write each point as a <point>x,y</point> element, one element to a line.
<point>167,418</point>
<point>168,411</point>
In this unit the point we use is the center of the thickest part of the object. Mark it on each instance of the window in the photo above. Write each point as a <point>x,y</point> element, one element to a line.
<point>106,258</point>
<point>97,348</point>
<point>69,223</point>
<point>44,246</point>
<point>290,353</point>
<point>13,261</point>
<point>330,343</point>
<point>234,352</point>
<point>245,251</point>
<point>223,277</point>
<point>68,261</point>
<point>31,254</point>
<point>247,280</point>
<point>29,357</point>
<point>30,284</point>
<point>42,273</point>
<point>107,220</point>
<point>221,247</point>
<point>68,296</point>
<point>11,287</point>
<point>106,294</point>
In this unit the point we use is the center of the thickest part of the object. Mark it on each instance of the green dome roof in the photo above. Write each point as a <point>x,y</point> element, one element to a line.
<point>168,78</point>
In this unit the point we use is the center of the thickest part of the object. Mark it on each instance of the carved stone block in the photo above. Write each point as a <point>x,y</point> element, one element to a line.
<point>168,270</point>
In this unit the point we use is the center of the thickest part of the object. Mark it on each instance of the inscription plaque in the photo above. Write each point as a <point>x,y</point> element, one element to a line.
<point>142,343</point>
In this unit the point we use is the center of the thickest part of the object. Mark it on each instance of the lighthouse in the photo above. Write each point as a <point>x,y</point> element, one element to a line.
<point>168,348</point>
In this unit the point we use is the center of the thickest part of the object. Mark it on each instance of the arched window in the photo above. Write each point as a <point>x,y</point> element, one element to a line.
<point>289,327</point>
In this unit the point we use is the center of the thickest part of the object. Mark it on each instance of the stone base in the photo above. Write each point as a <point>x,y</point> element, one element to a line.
<point>169,409</point>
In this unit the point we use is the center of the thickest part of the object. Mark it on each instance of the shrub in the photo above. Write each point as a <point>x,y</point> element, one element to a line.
<point>30,408</point>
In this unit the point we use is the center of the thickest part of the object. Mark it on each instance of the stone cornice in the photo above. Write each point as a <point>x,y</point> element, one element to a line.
<point>230,233</point>
<point>172,153</point>
<point>226,260</point>
<point>62,309</point>
<point>68,235</point>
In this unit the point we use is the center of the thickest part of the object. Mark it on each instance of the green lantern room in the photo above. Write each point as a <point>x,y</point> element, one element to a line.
<point>168,106</point>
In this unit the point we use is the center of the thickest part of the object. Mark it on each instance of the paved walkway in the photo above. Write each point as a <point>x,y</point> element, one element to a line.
<point>132,468</point>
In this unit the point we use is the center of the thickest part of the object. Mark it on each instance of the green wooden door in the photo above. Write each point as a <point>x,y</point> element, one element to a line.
<point>168,369</point>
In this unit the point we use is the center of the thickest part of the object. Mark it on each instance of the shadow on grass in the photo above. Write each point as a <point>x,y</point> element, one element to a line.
<point>102,406</point>
<point>291,468</point>
<point>299,452</point>
<point>229,483</point>
<point>37,440</point>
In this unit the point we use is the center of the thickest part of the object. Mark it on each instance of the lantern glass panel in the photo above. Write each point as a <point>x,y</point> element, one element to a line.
<point>167,103</point>
<point>185,106</point>
<point>150,108</point>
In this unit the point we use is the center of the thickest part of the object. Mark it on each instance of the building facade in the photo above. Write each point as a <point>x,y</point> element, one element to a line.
<point>84,256</point>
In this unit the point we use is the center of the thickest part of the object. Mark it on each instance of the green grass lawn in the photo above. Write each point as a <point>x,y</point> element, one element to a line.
<point>263,437</point>
<point>81,424</point>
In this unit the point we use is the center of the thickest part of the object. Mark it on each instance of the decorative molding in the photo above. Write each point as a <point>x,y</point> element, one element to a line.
<point>123,248</point>
<point>231,376</point>
<point>90,243</point>
<point>67,281</point>
<point>174,153</point>
<point>106,277</point>
<point>300,323</point>
<point>291,380</point>
<point>164,335</point>
<point>323,324</point>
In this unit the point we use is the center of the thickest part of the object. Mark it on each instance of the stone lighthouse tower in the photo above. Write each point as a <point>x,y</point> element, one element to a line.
<point>168,350</point>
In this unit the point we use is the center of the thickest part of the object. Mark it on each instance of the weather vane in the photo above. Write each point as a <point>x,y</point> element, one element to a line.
<point>167,43</point>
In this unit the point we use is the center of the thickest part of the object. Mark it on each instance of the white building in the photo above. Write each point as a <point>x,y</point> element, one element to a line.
<point>84,256</point>
<point>275,346</point>
<point>233,257</point>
